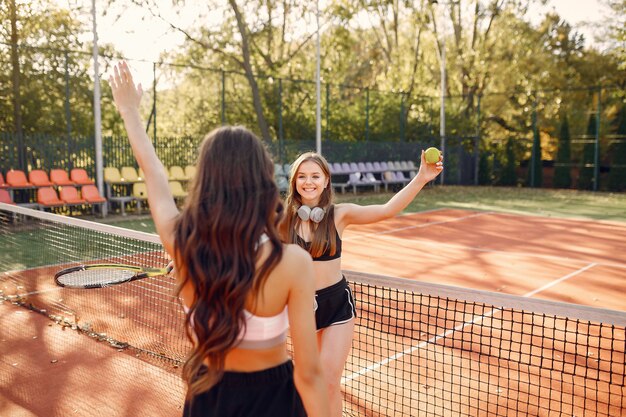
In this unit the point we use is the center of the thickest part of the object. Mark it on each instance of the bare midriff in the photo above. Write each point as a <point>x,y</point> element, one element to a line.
<point>327,273</point>
<point>247,360</point>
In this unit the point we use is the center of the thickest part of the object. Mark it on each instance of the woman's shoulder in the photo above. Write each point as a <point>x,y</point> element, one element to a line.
<point>294,263</point>
<point>341,209</point>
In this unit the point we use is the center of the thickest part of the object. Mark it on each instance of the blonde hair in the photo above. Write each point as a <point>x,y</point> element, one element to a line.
<point>323,235</point>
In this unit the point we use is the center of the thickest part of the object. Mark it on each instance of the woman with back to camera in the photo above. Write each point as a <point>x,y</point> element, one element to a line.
<point>236,278</point>
<point>316,224</point>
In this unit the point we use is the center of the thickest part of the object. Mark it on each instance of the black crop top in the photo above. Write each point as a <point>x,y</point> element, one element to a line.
<point>326,256</point>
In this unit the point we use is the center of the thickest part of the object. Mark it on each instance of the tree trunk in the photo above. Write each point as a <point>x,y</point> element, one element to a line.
<point>256,96</point>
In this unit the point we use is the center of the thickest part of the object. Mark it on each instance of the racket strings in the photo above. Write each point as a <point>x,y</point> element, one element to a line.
<point>93,277</point>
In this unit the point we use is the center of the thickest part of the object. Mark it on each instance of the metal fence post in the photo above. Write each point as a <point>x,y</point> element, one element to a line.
<point>281,137</point>
<point>327,112</point>
<point>477,142</point>
<point>367,114</point>
<point>402,117</point>
<point>533,155</point>
<point>596,163</point>
<point>68,114</point>
<point>154,103</point>
<point>223,97</point>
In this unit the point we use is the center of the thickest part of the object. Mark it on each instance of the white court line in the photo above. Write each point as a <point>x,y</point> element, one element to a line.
<point>447,333</point>
<point>418,226</point>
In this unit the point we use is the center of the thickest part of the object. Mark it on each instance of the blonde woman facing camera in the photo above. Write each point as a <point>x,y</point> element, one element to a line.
<point>316,224</point>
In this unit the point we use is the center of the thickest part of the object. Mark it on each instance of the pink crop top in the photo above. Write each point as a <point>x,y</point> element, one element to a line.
<point>261,332</point>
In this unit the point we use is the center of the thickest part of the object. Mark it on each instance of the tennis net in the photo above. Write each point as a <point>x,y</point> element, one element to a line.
<point>419,349</point>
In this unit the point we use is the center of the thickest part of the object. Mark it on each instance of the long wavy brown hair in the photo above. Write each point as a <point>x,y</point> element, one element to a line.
<point>323,235</point>
<point>232,201</point>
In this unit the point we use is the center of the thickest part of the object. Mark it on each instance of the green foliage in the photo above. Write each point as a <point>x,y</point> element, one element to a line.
<point>617,175</point>
<point>562,171</point>
<point>586,176</point>
<point>56,88</point>
<point>509,177</point>
<point>616,33</point>
<point>379,67</point>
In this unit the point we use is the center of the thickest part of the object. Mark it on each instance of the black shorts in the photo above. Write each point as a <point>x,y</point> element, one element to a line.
<point>334,305</point>
<point>269,393</point>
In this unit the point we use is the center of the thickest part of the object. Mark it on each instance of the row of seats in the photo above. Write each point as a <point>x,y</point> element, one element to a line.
<point>373,167</point>
<point>128,174</point>
<point>359,174</point>
<point>138,194</point>
<point>126,184</point>
<point>16,179</point>
<point>77,189</point>
<point>368,179</point>
<point>354,167</point>
<point>59,189</point>
<point>67,196</point>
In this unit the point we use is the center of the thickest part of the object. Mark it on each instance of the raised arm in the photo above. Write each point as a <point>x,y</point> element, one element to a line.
<point>127,97</point>
<point>356,214</point>
<point>308,375</point>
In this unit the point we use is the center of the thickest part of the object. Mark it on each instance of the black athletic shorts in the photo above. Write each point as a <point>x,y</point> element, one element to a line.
<point>267,393</point>
<point>334,305</point>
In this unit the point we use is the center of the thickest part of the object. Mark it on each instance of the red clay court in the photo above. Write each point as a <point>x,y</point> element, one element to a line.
<point>51,370</point>
<point>574,261</point>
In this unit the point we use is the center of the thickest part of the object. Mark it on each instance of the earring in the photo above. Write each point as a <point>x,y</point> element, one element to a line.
<point>315,214</point>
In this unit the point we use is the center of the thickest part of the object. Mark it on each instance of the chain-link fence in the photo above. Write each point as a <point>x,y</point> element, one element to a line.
<point>509,138</point>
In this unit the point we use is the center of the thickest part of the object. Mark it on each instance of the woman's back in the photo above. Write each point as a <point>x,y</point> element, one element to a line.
<point>270,304</point>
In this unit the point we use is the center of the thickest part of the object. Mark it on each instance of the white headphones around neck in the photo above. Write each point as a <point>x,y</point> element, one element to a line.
<point>315,214</point>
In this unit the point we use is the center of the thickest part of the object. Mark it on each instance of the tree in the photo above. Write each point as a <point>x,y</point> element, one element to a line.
<point>47,60</point>
<point>253,36</point>
<point>616,33</point>
<point>617,175</point>
<point>587,165</point>
<point>394,32</point>
<point>562,171</point>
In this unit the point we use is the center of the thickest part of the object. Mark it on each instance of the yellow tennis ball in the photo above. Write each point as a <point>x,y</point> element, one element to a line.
<point>432,155</point>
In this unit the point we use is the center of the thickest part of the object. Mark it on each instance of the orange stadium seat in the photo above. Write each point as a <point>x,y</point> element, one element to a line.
<point>17,179</point>
<point>5,197</point>
<point>39,178</point>
<point>59,177</point>
<point>92,195</point>
<point>47,197</point>
<point>80,177</point>
<point>69,195</point>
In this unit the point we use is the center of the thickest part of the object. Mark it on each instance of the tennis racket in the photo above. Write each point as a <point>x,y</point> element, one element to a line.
<point>104,275</point>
